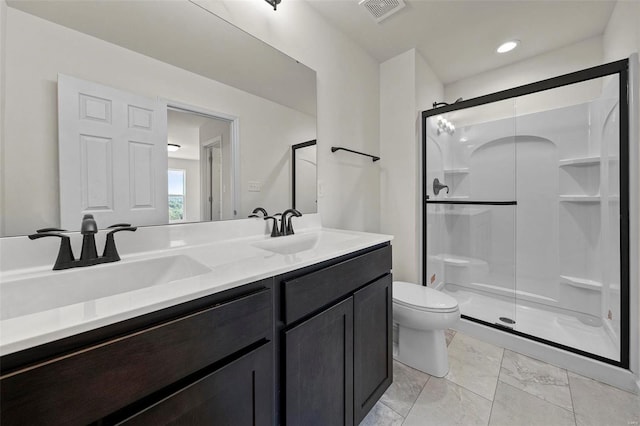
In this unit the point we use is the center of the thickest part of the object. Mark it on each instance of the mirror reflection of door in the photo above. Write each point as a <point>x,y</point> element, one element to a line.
<point>303,182</point>
<point>205,154</point>
<point>211,163</point>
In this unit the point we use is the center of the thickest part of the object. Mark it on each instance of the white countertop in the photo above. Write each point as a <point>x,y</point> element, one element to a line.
<point>232,263</point>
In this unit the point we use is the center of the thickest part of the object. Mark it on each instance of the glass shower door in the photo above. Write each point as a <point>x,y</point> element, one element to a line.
<point>568,220</point>
<point>470,181</point>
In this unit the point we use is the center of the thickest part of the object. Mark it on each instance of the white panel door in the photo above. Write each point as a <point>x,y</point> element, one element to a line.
<point>112,150</point>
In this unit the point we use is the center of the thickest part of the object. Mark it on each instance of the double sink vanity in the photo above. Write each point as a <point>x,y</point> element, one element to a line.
<point>212,323</point>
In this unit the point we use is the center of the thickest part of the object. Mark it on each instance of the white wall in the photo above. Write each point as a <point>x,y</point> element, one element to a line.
<point>407,83</point>
<point>587,53</point>
<point>37,50</point>
<point>192,186</point>
<point>348,102</point>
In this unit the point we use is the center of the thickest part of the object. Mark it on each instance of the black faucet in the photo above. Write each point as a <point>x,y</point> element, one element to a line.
<point>259,209</point>
<point>89,254</point>
<point>274,228</point>
<point>437,187</point>
<point>286,226</point>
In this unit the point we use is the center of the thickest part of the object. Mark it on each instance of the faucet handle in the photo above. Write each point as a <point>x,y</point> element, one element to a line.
<point>44,230</point>
<point>65,253</point>
<point>110,251</point>
<point>119,225</point>
<point>89,225</point>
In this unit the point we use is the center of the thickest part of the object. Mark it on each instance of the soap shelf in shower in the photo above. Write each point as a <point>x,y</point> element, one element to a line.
<point>458,171</point>
<point>581,282</point>
<point>580,161</point>
<point>580,198</point>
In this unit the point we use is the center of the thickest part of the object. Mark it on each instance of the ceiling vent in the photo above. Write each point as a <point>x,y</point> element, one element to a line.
<point>382,9</point>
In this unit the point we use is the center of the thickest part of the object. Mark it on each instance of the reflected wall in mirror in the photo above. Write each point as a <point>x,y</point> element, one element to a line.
<point>169,52</point>
<point>304,171</point>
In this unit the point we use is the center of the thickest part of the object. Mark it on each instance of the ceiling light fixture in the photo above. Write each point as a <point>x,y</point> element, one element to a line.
<point>507,46</point>
<point>172,147</point>
<point>274,3</point>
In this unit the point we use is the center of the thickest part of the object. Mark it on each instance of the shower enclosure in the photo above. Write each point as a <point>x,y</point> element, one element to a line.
<point>526,210</point>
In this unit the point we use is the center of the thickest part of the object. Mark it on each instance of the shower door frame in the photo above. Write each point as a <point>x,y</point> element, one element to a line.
<point>620,68</point>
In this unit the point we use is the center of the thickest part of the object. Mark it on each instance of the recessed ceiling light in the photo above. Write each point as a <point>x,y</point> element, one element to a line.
<point>508,46</point>
<point>172,147</point>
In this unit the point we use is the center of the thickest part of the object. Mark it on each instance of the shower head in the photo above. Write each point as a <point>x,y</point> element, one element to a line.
<point>439,104</point>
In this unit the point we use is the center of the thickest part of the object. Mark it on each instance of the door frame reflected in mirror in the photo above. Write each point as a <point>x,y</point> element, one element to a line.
<point>234,142</point>
<point>294,148</point>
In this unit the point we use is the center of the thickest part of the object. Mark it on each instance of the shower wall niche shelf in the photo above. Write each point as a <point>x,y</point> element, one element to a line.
<point>580,162</point>
<point>457,171</point>
<point>580,198</point>
<point>581,282</point>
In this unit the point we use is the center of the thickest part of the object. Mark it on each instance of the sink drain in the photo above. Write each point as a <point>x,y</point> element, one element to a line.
<point>507,320</point>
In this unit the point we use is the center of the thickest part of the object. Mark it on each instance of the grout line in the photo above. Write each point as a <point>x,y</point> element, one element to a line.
<point>418,397</point>
<point>390,408</point>
<point>496,389</point>
<point>538,396</point>
<point>573,404</point>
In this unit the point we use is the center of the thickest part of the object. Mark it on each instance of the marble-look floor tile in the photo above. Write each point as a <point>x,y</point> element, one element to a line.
<point>474,364</point>
<point>512,406</point>
<point>443,403</point>
<point>403,392</point>
<point>537,378</point>
<point>448,335</point>
<point>381,415</point>
<point>598,404</point>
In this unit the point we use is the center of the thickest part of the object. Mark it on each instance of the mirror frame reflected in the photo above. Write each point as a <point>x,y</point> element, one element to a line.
<point>295,148</point>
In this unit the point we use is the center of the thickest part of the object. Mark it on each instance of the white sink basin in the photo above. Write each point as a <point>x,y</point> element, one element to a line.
<point>297,243</point>
<point>26,295</point>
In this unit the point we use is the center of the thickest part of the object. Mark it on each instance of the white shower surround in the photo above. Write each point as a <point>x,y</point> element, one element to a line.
<point>557,253</point>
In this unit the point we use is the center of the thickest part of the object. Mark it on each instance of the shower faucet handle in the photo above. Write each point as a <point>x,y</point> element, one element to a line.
<point>437,186</point>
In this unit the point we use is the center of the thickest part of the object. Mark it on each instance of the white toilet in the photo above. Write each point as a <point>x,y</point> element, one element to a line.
<point>423,314</point>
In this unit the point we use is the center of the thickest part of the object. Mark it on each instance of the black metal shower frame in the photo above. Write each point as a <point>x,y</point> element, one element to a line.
<point>620,68</point>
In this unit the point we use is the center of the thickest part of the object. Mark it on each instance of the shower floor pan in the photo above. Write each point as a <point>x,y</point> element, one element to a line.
<point>535,320</point>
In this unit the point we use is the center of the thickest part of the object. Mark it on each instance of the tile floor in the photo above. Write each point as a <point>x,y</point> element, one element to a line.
<point>488,385</point>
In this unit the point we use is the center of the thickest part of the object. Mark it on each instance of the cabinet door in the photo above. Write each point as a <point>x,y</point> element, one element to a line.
<point>319,369</point>
<point>238,394</point>
<point>372,348</point>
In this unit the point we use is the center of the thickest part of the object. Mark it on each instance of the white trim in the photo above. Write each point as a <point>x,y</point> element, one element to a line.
<point>634,217</point>
<point>234,142</point>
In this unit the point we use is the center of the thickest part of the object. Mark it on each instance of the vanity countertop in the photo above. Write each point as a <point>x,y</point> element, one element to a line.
<point>214,267</point>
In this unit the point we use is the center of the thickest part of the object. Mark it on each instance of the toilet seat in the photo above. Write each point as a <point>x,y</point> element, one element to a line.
<point>422,298</point>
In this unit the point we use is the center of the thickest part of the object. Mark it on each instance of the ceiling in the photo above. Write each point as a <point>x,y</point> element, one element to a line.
<point>458,38</point>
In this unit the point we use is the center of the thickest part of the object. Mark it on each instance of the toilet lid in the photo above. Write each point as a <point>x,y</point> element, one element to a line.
<point>422,298</point>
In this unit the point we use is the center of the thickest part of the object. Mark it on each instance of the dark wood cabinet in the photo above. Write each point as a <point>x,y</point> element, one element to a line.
<point>372,345</point>
<point>94,382</point>
<point>238,394</point>
<point>336,324</point>
<point>318,355</point>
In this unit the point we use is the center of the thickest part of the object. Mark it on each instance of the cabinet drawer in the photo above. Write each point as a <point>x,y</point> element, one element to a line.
<point>308,293</point>
<point>86,385</point>
<point>238,394</point>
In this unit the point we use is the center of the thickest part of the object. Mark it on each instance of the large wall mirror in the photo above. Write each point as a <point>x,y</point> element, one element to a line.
<point>97,92</point>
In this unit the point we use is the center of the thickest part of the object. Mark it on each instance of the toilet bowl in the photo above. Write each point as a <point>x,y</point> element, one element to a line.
<point>423,314</point>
